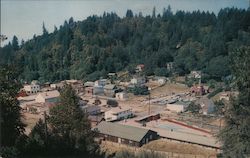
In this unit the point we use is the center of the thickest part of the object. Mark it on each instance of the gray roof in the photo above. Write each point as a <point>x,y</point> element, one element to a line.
<point>121,131</point>
<point>109,86</point>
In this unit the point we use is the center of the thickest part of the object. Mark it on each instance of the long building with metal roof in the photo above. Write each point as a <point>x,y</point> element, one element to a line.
<point>123,134</point>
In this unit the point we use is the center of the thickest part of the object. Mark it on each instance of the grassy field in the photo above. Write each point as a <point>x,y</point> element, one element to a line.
<point>180,148</point>
<point>165,147</point>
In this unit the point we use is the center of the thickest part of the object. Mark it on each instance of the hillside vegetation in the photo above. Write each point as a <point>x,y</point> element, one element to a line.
<point>91,48</point>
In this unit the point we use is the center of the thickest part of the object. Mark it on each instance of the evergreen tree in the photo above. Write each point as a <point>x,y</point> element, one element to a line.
<point>15,44</point>
<point>236,136</point>
<point>45,31</point>
<point>70,126</point>
<point>12,128</point>
<point>11,124</point>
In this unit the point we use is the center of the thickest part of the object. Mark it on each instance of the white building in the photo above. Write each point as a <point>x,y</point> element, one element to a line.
<point>118,113</point>
<point>177,106</point>
<point>195,74</point>
<point>32,88</point>
<point>48,97</point>
<point>161,80</point>
<point>121,96</point>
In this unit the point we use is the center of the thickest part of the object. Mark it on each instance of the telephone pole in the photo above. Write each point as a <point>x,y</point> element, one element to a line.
<point>149,102</point>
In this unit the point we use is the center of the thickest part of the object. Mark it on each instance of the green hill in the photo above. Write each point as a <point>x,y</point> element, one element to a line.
<point>91,48</point>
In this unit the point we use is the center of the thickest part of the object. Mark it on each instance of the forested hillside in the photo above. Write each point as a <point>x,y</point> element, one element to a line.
<point>91,48</point>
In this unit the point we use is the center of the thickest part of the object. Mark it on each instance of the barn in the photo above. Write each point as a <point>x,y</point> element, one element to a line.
<point>123,134</point>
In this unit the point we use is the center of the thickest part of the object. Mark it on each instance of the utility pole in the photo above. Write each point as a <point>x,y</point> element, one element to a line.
<point>149,101</point>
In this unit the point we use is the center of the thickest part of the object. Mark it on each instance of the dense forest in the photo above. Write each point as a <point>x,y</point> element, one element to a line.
<point>92,48</point>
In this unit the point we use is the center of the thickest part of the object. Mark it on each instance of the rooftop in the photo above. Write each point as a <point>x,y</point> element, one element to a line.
<point>27,98</point>
<point>119,109</point>
<point>121,131</point>
<point>109,86</point>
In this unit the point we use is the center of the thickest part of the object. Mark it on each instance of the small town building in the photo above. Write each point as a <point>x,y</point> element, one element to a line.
<point>89,84</point>
<point>112,75</point>
<point>195,74</point>
<point>161,80</point>
<point>91,109</point>
<point>139,68</point>
<point>124,134</point>
<point>98,90</point>
<point>53,86</point>
<point>138,80</point>
<point>32,88</point>
<point>57,85</point>
<point>207,105</point>
<point>109,90</point>
<point>118,113</point>
<point>148,118</point>
<point>48,97</point>
<point>178,106</point>
<point>121,96</point>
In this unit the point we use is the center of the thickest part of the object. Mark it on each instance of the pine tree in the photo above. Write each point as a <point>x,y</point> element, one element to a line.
<point>70,126</point>
<point>15,44</point>
<point>45,31</point>
<point>236,136</point>
<point>11,125</point>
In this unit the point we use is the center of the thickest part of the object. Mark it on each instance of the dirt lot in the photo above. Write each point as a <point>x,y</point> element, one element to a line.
<point>171,149</point>
<point>30,120</point>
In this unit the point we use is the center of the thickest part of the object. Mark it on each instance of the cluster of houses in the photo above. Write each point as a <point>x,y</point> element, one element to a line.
<point>37,98</point>
<point>207,105</point>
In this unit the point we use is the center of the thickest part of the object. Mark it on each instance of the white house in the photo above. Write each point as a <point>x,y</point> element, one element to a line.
<point>32,88</point>
<point>121,96</point>
<point>48,97</point>
<point>195,74</point>
<point>160,80</point>
<point>118,113</point>
<point>177,106</point>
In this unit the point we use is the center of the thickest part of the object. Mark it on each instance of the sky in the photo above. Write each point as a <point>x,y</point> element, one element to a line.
<point>24,18</point>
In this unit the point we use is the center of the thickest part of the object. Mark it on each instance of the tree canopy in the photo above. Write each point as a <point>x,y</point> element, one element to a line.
<point>236,136</point>
<point>91,48</point>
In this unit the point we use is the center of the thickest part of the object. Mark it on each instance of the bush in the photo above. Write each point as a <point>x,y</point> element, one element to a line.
<point>112,103</point>
<point>214,92</point>
<point>141,90</point>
